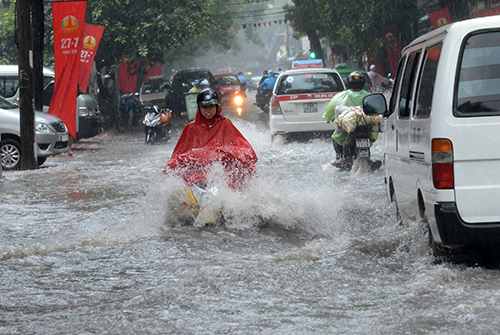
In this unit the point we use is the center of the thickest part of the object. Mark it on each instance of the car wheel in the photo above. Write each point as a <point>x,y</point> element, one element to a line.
<point>10,151</point>
<point>41,160</point>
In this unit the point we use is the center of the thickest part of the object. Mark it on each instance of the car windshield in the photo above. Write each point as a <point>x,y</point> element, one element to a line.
<point>6,104</point>
<point>153,87</point>
<point>227,81</point>
<point>183,82</point>
<point>309,83</point>
<point>479,77</point>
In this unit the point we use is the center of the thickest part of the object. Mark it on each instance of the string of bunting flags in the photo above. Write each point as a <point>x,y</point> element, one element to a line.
<point>255,25</point>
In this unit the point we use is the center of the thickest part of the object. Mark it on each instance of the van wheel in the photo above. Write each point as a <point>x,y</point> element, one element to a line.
<point>10,151</point>
<point>392,194</point>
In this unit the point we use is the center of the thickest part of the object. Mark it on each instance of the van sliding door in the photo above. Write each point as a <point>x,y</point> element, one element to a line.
<point>403,162</point>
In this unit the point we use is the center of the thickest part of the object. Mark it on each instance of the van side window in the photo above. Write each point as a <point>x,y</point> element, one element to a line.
<point>8,86</point>
<point>407,85</point>
<point>399,74</point>
<point>478,87</point>
<point>426,83</point>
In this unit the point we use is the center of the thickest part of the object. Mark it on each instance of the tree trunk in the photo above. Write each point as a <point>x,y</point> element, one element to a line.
<point>315,43</point>
<point>27,116</point>
<point>37,33</point>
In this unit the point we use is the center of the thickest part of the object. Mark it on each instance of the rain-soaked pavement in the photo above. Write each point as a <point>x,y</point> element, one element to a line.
<point>95,244</point>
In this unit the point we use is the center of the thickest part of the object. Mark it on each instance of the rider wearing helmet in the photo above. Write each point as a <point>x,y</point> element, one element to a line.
<point>211,138</point>
<point>196,86</point>
<point>353,96</point>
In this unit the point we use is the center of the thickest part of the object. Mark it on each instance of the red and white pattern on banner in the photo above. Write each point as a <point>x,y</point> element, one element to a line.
<point>68,23</point>
<point>91,37</point>
<point>307,96</point>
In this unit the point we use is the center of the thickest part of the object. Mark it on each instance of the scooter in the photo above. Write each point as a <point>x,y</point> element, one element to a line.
<point>357,146</point>
<point>262,100</point>
<point>198,196</point>
<point>359,138</point>
<point>154,129</point>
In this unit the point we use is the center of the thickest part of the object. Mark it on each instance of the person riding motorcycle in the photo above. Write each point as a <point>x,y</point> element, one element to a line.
<point>268,83</point>
<point>196,86</point>
<point>211,138</point>
<point>353,96</point>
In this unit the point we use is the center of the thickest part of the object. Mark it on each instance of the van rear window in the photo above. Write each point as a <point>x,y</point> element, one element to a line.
<point>478,89</point>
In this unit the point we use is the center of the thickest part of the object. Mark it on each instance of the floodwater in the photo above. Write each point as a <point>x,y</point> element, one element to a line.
<point>96,244</point>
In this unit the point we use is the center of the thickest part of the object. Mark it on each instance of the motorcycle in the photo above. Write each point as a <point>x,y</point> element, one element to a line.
<point>262,100</point>
<point>198,196</point>
<point>154,129</point>
<point>357,146</point>
<point>359,126</point>
<point>130,106</point>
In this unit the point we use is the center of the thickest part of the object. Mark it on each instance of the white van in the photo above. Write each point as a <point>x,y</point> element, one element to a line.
<point>89,122</point>
<point>442,134</point>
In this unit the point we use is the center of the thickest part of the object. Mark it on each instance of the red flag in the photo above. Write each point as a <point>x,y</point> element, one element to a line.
<point>440,18</point>
<point>68,22</point>
<point>91,37</point>
<point>488,12</point>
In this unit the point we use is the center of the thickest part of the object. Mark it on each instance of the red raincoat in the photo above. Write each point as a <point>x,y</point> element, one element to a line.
<point>204,142</point>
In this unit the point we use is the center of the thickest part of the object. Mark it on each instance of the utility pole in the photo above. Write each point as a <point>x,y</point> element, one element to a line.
<point>27,116</point>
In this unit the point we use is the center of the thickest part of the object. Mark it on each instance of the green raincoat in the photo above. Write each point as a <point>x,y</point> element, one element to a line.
<point>344,98</point>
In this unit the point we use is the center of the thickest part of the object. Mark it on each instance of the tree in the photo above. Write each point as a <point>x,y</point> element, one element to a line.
<point>148,30</point>
<point>307,21</point>
<point>359,26</point>
<point>27,117</point>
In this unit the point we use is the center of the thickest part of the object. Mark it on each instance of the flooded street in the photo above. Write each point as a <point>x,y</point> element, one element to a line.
<point>93,244</point>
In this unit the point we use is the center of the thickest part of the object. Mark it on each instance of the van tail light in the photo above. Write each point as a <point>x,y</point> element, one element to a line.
<point>442,164</point>
<point>275,105</point>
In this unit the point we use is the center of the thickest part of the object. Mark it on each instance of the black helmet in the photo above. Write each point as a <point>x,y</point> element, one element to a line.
<point>356,80</point>
<point>207,97</point>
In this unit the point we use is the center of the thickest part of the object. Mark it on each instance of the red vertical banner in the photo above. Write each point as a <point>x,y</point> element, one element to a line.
<point>91,37</point>
<point>68,22</point>
<point>392,49</point>
<point>440,18</point>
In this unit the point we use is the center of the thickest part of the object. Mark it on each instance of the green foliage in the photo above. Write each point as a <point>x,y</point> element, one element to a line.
<point>357,25</point>
<point>8,51</point>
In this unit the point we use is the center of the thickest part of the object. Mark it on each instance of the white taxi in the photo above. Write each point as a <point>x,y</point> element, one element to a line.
<point>300,97</point>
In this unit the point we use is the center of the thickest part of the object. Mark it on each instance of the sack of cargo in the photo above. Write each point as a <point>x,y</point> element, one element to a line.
<point>350,117</point>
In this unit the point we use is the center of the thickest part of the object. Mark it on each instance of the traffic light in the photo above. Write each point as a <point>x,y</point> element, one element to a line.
<point>312,54</point>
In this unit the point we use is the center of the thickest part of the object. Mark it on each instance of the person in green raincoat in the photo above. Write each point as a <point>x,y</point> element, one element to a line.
<point>353,96</point>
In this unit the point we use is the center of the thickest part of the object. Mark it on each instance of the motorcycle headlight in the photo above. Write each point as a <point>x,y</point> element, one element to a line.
<point>43,128</point>
<point>238,100</point>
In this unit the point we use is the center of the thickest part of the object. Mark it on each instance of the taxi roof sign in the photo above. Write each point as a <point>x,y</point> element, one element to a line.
<point>307,63</point>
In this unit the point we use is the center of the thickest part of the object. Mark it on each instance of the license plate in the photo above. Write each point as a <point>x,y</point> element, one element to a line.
<point>63,138</point>
<point>363,142</point>
<point>310,107</point>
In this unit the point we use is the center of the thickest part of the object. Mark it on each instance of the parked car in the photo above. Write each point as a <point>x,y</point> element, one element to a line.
<point>441,147</point>
<point>299,99</point>
<point>230,90</point>
<point>51,136</point>
<point>344,73</point>
<point>89,120</point>
<point>182,83</point>
<point>154,91</point>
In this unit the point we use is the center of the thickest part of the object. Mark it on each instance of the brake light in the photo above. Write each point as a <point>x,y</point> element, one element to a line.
<point>442,164</point>
<point>275,105</point>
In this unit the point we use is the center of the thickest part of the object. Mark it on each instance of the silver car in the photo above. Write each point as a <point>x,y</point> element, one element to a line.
<point>51,136</point>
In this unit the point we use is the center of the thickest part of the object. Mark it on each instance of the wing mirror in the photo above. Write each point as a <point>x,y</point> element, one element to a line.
<point>374,104</point>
